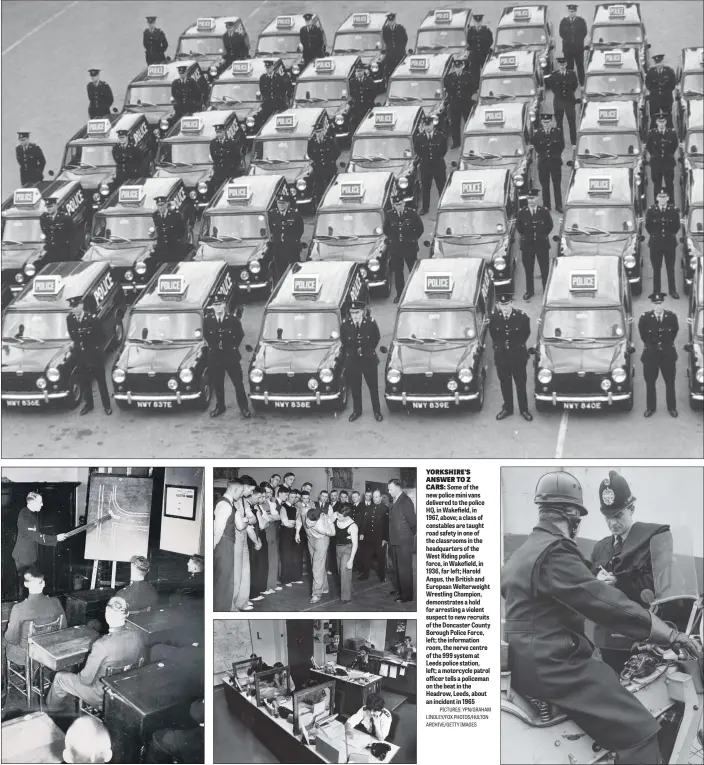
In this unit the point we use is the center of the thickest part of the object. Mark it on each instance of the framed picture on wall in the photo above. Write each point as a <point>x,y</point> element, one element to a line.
<point>180,502</point>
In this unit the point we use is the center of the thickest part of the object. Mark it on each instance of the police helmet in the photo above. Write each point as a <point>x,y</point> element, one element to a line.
<point>560,487</point>
<point>614,494</point>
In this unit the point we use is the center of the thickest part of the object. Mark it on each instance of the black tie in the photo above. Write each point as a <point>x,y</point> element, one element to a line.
<point>618,545</point>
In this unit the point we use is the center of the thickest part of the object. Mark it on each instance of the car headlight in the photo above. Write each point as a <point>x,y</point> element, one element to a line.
<point>164,124</point>
<point>565,245</point>
<point>186,375</point>
<point>693,263</point>
<point>619,375</point>
<point>301,184</point>
<point>452,385</point>
<point>213,71</point>
<point>296,69</point>
<point>244,275</point>
<point>403,182</point>
<point>30,270</point>
<point>606,384</point>
<point>41,383</point>
<point>118,375</point>
<point>156,131</point>
<point>255,267</point>
<point>19,278</point>
<point>700,375</point>
<point>629,261</point>
<point>104,189</point>
<point>499,263</point>
<point>518,180</point>
<point>96,197</point>
<point>393,376</point>
<point>172,383</point>
<point>465,375</point>
<point>339,119</point>
<point>192,194</point>
<point>544,376</point>
<point>373,264</point>
<point>374,66</point>
<point>249,122</point>
<point>203,187</point>
<point>53,374</point>
<point>256,376</point>
<point>312,384</point>
<point>141,268</point>
<point>129,275</point>
<point>690,243</point>
<point>326,375</point>
<point>543,61</point>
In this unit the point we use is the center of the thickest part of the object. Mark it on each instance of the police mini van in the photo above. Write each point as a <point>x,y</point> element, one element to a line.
<point>695,346</point>
<point>444,30</point>
<point>282,37</point>
<point>203,41</point>
<point>361,34</point>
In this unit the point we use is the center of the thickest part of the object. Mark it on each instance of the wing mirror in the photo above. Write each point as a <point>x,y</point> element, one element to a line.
<point>248,347</point>
<point>642,237</point>
<point>556,238</point>
<point>569,163</point>
<point>383,349</point>
<point>631,349</point>
<point>453,163</point>
<point>688,347</point>
<point>343,165</point>
<point>239,311</point>
<point>532,351</point>
<point>50,173</point>
<point>426,243</point>
<point>304,245</point>
<point>681,240</point>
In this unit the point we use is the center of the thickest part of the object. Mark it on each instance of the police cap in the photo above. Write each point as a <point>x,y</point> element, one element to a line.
<point>218,298</point>
<point>94,72</point>
<point>427,120</point>
<point>560,487</point>
<point>229,24</point>
<point>75,300</point>
<point>657,59</point>
<point>546,116</point>
<point>160,200</point>
<point>219,128</point>
<point>22,134</point>
<point>660,116</point>
<point>614,494</point>
<point>122,133</point>
<point>561,60</point>
<point>533,193</point>
<point>151,19</point>
<point>182,69</point>
<point>307,16</point>
<point>357,305</point>
<point>51,201</point>
<point>119,605</point>
<point>268,62</point>
<point>662,194</point>
<point>657,297</point>
<point>89,304</point>
<point>391,16</point>
<point>478,16</point>
<point>571,7</point>
<point>504,297</point>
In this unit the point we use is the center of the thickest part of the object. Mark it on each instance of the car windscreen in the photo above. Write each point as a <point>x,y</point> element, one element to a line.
<point>35,327</point>
<point>21,230</point>
<point>199,46</point>
<point>304,325</point>
<point>354,224</point>
<point>594,220</point>
<point>470,223</point>
<point>117,227</point>
<point>233,227</point>
<point>503,88</point>
<point>621,34</point>
<point>616,144</point>
<point>434,325</point>
<point>322,89</point>
<point>694,145</point>
<point>235,92</point>
<point>150,95</point>
<point>583,324</point>
<point>488,146</point>
<point>278,45</point>
<point>165,327</point>
<point>516,37</point>
<point>382,147</point>
<point>280,150</point>
<point>356,42</point>
<point>403,90</point>
<point>693,84</point>
<point>696,221</point>
<point>89,156</point>
<point>197,153</point>
<point>608,84</point>
<point>436,40</point>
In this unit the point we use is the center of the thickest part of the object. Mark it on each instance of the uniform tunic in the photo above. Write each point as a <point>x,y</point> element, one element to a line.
<point>360,342</point>
<point>57,229</point>
<point>479,41</point>
<point>659,355</point>
<point>128,162</point>
<point>139,596</point>
<point>312,42</point>
<point>39,608</point>
<point>573,31</point>
<point>374,527</point>
<point>88,337</point>
<point>564,86</point>
<point>170,233</point>
<point>286,232</point>
<point>362,92</point>
<point>662,147</point>
<point>100,99</point>
<point>549,146</point>
<point>663,226</point>
<point>234,47</point>
<point>402,532</point>
<point>155,45</point>
<point>403,229</point>
<point>31,160</point>
<point>431,149</point>
<point>186,97</point>
<point>395,43</point>
<point>275,90</point>
<point>223,339</point>
<point>534,229</point>
<point>459,86</point>
<point>227,161</point>
<point>661,82</point>
<point>509,336</point>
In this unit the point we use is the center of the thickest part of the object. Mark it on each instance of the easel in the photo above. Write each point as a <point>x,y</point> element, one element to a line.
<point>94,575</point>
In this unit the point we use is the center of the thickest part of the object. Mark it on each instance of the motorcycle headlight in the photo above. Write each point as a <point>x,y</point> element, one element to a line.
<point>129,276</point>
<point>192,194</point>
<point>499,263</point>
<point>619,375</point>
<point>53,374</point>
<point>326,375</point>
<point>452,385</point>
<point>605,384</point>
<point>700,375</point>
<point>374,67</point>
<point>41,383</point>
<point>255,266</point>
<point>203,187</point>
<point>164,124</point>
<point>141,268</point>
<point>544,376</point>
<point>186,375</point>
<point>249,122</point>
<point>256,376</point>
<point>118,375</point>
<point>629,261</point>
<point>172,383</point>
<point>339,119</point>
<point>244,275</point>
<point>393,376</point>
<point>465,375</point>
<point>301,184</point>
<point>30,270</point>
<point>373,264</point>
<point>312,384</point>
<point>403,182</point>
<point>19,278</point>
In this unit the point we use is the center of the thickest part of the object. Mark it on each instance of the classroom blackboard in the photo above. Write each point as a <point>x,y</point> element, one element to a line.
<point>129,498</point>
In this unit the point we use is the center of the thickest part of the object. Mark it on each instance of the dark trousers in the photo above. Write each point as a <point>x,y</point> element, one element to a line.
<point>456,113</point>
<point>662,174</point>
<point>429,173</point>
<point>550,169</point>
<point>575,57</point>
<point>369,370</point>
<point>529,253</point>
<point>154,58</point>
<point>285,253</point>
<point>402,254</point>
<point>510,371</point>
<point>571,113</point>
<point>657,253</point>
<point>89,370</point>
<point>402,558</point>
<point>659,363</point>
<point>217,367</point>
<point>374,550</point>
<point>258,566</point>
<point>291,556</point>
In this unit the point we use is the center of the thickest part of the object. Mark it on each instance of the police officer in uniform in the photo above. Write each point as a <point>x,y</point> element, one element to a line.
<point>128,159</point>
<point>31,160</point>
<point>86,332</point>
<point>658,329</point>
<point>155,43</point>
<point>223,333</point>
<point>661,145</point>
<point>624,559</point>
<point>479,42</point>
<point>274,88</point>
<point>362,92</point>
<point>403,228</point>
<point>57,227</point>
<point>573,31</point>
<point>395,42</point>
<point>661,82</point>
<point>360,337</point>
<point>170,231</point>
<point>226,156</point>
<point>99,96</point>
<point>549,591</point>
<point>185,94</point>
<point>431,147</point>
<point>563,84</point>
<point>510,329</point>
<point>234,45</point>
<point>459,88</point>
<point>549,143</point>
<point>662,222</point>
<point>323,152</point>
<point>312,43</point>
<point>286,233</point>
<point>534,224</point>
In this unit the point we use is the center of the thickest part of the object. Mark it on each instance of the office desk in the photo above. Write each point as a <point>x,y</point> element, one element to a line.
<point>277,733</point>
<point>156,625</point>
<point>396,675</point>
<point>350,695</point>
<point>63,649</point>
<point>32,738</point>
<point>6,608</point>
<point>82,605</point>
<point>143,700</point>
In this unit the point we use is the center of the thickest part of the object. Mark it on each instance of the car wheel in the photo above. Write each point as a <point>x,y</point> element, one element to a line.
<point>385,291</point>
<point>258,406</point>
<point>478,403</point>
<point>543,406</point>
<point>627,406</point>
<point>341,404</point>
<point>122,405</point>
<point>74,390</point>
<point>206,393</point>
<point>394,406</point>
<point>118,335</point>
<point>637,289</point>
<point>686,287</point>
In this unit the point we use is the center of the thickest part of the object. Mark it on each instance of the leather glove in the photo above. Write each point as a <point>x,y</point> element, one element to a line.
<point>662,634</point>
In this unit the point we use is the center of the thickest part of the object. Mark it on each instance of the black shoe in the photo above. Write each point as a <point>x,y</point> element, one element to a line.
<point>528,295</point>
<point>527,416</point>
<point>87,408</point>
<point>558,208</point>
<point>673,413</point>
<point>355,416</point>
<point>648,413</point>
<point>503,414</point>
<point>108,410</point>
<point>397,298</point>
<point>217,411</point>
<point>393,592</point>
<point>245,413</point>
<point>674,294</point>
<point>378,416</point>
<point>424,211</point>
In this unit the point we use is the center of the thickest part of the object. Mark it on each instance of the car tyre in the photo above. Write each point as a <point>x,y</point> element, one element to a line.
<point>206,393</point>
<point>118,335</point>
<point>74,390</point>
<point>478,403</point>
<point>385,291</point>
<point>543,406</point>
<point>258,406</point>
<point>637,289</point>
<point>394,406</point>
<point>341,404</point>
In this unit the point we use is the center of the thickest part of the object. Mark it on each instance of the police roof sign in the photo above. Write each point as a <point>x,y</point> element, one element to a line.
<point>285,121</point>
<point>284,22</point>
<point>238,192</point>
<point>508,61</point>
<point>418,63</point>
<point>472,188</point>
<point>613,58</point>
<point>205,25</point>
<point>47,286</point>
<point>608,114</point>
<point>438,282</point>
<point>583,281</point>
<point>324,65</point>
<point>599,184</point>
<point>361,19</point>
<point>521,14</point>
<point>241,67</point>
<point>351,190</point>
<point>130,195</point>
<point>443,16</point>
<point>98,127</point>
<point>617,11</point>
<point>26,197</point>
<point>170,285</point>
<point>494,116</point>
<point>384,119</point>
<point>156,70</point>
<point>306,285</point>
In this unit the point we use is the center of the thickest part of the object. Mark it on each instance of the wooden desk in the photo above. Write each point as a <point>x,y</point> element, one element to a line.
<point>6,608</point>
<point>396,675</point>
<point>82,605</point>
<point>156,625</point>
<point>63,649</point>
<point>143,700</point>
<point>32,738</point>
<point>350,696</point>
<point>277,734</point>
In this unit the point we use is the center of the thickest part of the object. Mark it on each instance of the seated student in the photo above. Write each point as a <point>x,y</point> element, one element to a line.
<point>38,608</point>
<point>406,650</point>
<point>180,744</point>
<point>87,740</point>
<point>373,718</point>
<point>362,661</point>
<point>279,680</point>
<point>140,595</point>
<point>120,647</point>
<point>192,589</point>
